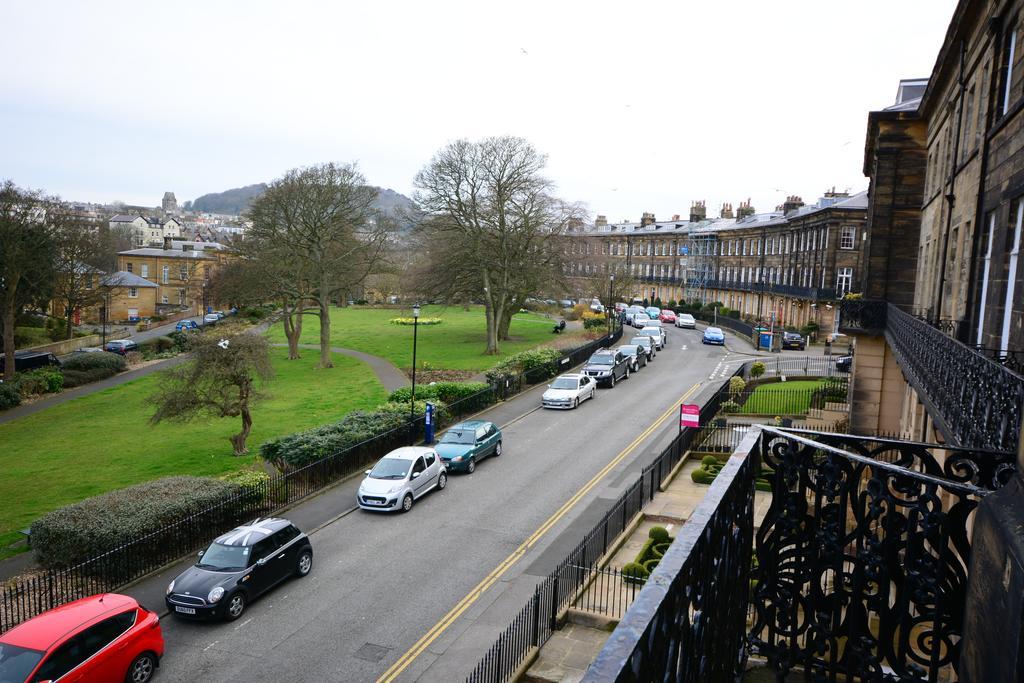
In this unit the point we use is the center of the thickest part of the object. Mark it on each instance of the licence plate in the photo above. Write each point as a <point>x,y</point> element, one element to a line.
<point>185,610</point>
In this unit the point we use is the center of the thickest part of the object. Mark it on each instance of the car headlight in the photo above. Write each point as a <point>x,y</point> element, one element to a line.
<point>170,588</point>
<point>216,594</point>
<point>395,489</point>
<point>457,458</point>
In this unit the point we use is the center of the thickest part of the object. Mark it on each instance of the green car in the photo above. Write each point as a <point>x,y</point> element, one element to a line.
<point>467,442</point>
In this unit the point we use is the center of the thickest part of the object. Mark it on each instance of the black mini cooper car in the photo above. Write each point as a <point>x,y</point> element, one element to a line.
<point>238,567</point>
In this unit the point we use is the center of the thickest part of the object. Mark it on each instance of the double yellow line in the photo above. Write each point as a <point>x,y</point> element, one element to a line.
<point>447,620</point>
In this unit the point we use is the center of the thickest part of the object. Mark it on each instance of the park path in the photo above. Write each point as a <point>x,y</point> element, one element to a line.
<point>391,377</point>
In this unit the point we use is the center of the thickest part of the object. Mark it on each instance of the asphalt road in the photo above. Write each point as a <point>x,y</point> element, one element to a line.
<point>381,582</point>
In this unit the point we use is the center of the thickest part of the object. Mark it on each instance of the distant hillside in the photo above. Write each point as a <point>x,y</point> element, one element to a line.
<point>236,201</point>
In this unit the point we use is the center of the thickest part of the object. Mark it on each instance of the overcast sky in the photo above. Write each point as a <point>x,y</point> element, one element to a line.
<point>640,106</point>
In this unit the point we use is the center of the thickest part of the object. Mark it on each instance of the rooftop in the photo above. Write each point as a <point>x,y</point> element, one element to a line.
<point>123,278</point>
<point>166,253</point>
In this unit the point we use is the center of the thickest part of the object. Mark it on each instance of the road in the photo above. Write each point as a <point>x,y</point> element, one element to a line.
<point>381,582</point>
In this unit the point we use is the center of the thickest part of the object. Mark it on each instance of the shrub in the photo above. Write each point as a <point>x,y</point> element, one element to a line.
<point>634,573</point>
<point>730,407</point>
<point>39,381</point>
<point>593,320</point>
<point>658,533</point>
<point>162,343</point>
<point>708,461</point>
<point>74,533</point>
<point>76,378</point>
<point>651,564</point>
<point>134,357</point>
<point>412,321</point>
<point>92,361</point>
<point>181,340</point>
<point>448,392</point>
<point>541,364</point>
<point>9,396</point>
<point>736,386</point>
<point>756,369</point>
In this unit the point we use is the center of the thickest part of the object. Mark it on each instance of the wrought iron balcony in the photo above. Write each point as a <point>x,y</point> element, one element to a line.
<point>858,570</point>
<point>975,402</point>
<point>796,291</point>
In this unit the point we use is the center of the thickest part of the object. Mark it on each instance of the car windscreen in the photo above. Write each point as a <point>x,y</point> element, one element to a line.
<point>390,468</point>
<point>220,557</point>
<point>565,383</point>
<point>602,359</point>
<point>16,663</point>
<point>640,341</point>
<point>463,436</point>
<point>628,350</point>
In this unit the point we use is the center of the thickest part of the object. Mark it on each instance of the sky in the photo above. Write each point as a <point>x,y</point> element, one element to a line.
<point>639,106</point>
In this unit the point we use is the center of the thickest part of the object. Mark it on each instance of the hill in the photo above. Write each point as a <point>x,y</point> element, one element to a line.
<point>236,201</point>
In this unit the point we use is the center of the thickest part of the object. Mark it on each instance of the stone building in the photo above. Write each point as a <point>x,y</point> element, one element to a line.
<point>169,203</point>
<point>146,230</point>
<point>179,269</point>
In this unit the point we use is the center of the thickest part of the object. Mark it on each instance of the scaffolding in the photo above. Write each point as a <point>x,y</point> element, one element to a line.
<point>701,263</point>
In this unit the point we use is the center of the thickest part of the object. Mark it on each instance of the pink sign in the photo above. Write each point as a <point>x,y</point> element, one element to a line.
<point>689,415</point>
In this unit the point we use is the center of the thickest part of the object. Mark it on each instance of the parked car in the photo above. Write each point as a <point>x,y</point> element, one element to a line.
<point>401,477</point>
<point>620,307</point>
<point>466,443</point>
<point>106,637</point>
<point>652,312</point>
<point>844,363</point>
<point>713,335</point>
<point>686,320</point>
<point>220,314</point>
<point>607,367</point>
<point>636,354</point>
<point>30,360</point>
<point>568,391</point>
<point>185,325</point>
<point>647,343</point>
<point>641,320</point>
<point>121,346</point>
<point>238,567</point>
<point>566,303</point>
<point>667,315</point>
<point>596,306</point>
<point>792,340</point>
<point>210,319</point>
<point>658,334</point>
<point>631,313</point>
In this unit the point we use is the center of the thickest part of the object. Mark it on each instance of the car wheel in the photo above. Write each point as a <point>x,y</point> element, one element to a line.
<point>407,502</point>
<point>236,606</point>
<point>576,402</point>
<point>141,669</point>
<point>471,465</point>
<point>613,379</point>
<point>627,372</point>
<point>497,449</point>
<point>442,481</point>
<point>304,564</point>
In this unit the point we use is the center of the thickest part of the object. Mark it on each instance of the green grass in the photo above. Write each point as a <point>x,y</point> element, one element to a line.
<point>103,441</point>
<point>458,343</point>
<point>782,398</point>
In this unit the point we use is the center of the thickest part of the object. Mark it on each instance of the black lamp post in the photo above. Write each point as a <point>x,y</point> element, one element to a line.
<point>412,397</point>
<point>611,303</point>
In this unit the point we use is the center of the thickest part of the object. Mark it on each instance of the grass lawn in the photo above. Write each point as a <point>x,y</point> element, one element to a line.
<point>782,398</point>
<point>100,442</point>
<point>458,343</point>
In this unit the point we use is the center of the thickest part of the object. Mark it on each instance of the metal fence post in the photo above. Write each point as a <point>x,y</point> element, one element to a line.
<point>554,600</point>
<point>536,616</point>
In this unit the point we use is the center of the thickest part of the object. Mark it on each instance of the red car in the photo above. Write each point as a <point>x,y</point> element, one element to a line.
<point>102,638</point>
<point>667,316</point>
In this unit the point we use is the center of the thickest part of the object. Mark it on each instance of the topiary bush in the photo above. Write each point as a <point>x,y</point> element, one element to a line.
<point>75,533</point>
<point>757,369</point>
<point>92,361</point>
<point>736,386</point>
<point>658,533</point>
<point>635,572</point>
<point>9,396</point>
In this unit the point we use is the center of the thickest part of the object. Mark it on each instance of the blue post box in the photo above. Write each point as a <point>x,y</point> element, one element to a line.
<point>428,425</point>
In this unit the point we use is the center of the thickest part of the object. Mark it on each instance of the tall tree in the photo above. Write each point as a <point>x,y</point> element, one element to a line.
<point>488,203</point>
<point>79,254</point>
<point>27,255</point>
<point>220,381</point>
<point>318,222</point>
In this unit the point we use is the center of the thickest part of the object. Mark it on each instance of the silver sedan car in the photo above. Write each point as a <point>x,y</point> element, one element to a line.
<point>401,477</point>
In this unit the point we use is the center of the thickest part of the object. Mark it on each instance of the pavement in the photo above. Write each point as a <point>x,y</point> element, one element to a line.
<point>390,376</point>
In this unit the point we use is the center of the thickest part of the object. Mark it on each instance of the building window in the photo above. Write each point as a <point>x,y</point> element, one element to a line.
<point>144,270</point>
<point>847,237</point>
<point>987,269</point>
<point>133,293</point>
<point>183,273</point>
<point>163,299</point>
<point>844,281</point>
<point>1009,54</point>
<point>128,266</point>
<point>1013,249</point>
<point>165,275</point>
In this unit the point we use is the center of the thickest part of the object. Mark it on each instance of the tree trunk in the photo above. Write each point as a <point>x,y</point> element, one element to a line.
<point>325,331</point>
<point>506,322</point>
<point>71,329</point>
<point>9,340</point>
<point>492,331</point>
<point>293,328</point>
<point>238,440</point>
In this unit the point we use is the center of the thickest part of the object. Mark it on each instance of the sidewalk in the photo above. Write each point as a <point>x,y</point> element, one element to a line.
<point>391,377</point>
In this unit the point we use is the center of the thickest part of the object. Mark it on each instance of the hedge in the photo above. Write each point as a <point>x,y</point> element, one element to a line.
<point>92,361</point>
<point>76,378</point>
<point>9,396</point>
<point>74,533</point>
<point>448,392</point>
<point>413,321</point>
<point>540,364</point>
<point>39,381</point>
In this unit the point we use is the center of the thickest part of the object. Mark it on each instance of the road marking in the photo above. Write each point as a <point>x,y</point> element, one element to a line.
<point>210,645</point>
<point>243,623</point>
<point>447,620</point>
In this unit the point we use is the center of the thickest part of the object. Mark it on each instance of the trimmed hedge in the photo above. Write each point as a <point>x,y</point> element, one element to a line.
<point>412,321</point>
<point>93,361</point>
<point>76,378</point>
<point>9,396</point>
<point>539,364</point>
<point>75,533</point>
<point>448,392</point>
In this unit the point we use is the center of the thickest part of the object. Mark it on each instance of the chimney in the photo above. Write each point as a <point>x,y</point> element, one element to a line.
<point>792,203</point>
<point>698,212</point>
<point>167,242</point>
<point>647,219</point>
<point>726,210</point>
<point>675,216</point>
<point>832,194</point>
<point>574,225</point>
<point>744,210</point>
<point>601,222</point>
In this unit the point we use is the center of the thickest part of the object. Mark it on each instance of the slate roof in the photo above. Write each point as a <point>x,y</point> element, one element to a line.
<point>123,218</point>
<point>166,253</point>
<point>123,278</point>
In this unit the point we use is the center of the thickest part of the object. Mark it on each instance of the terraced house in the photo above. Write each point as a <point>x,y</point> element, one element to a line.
<point>792,264</point>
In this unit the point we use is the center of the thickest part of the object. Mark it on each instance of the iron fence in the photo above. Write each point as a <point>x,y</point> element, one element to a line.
<point>807,366</point>
<point>21,599</point>
<point>608,592</point>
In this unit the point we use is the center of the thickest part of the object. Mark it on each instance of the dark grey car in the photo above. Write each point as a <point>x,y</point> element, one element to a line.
<point>636,354</point>
<point>607,367</point>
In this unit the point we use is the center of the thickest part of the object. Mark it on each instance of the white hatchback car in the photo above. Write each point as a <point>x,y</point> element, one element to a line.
<point>568,391</point>
<point>657,334</point>
<point>686,320</point>
<point>400,477</point>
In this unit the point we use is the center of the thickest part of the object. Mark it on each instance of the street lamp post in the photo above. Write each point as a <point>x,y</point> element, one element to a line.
<point>611,303</point>
<point>412,396</point>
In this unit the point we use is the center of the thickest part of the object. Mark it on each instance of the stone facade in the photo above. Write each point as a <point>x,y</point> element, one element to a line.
<point>180,271</point>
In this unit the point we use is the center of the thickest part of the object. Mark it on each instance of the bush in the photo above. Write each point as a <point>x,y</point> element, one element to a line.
<point>412,321</point>
<point>730,407</point>
<point>658,533</point>
<point>181,340</point>
<point>708,461</point>
<point>74,533</point>
<point>593,320</point>
<point>39,381</point>
<point>76,378</point>
<point>635,572</point>
<point>541,364</point>
<point>448,392</point>
<point>736,386</point>
<point>651,564</point>
<point>756,369</point>
<point>93,361</point>
<point>9,396</point>
<point>134,357</point>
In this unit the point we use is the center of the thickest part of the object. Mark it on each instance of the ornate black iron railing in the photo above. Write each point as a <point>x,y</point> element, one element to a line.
<point>812,293</point>
<point>975,402</point>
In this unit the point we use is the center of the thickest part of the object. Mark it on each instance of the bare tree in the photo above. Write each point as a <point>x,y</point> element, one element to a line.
<point>79,255</point>
<point>319,222</point>
<point>219,381</point>
<point>490,207</point>
<point>27,255</point>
